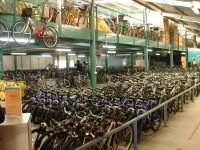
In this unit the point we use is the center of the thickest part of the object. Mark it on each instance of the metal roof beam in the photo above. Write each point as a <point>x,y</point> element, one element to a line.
<point>181,17</point>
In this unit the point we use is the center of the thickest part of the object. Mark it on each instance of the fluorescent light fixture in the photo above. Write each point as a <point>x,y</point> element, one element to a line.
<point>150,50</point>
<point>82,44</point>
<point>63,50</point>
<point>81,56</point>
<point>111,52</point>
<point>71,54</point>
<point>172,2</point>
<point>109,46</point>
<point>183,53</point>
<point>46,55</point>
<point>125,2</point>
<point>103,55</point>
<point>15,53</point>
<point>157,54</point>
<point>139,53</point>
<point>168,52</point>
<point>19,40</point>
<point>195,10</point>
<point>196,4</point>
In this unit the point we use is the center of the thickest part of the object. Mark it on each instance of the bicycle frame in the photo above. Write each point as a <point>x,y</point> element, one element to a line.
<point>106,142</point>
<point>38,33</point>
<point>144,108</point>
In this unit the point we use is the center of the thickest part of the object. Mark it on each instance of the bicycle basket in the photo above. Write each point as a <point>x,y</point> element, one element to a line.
<point>27,12</point>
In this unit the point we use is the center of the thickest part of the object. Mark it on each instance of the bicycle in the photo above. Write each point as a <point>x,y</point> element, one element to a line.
<point>22,30</point>
<point>152,121</point>
<point>64,82</point>
<point>83,17</point>
<point>4,33</point>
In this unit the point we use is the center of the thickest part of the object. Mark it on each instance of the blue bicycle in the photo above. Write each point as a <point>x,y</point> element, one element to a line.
<point>151,121</point>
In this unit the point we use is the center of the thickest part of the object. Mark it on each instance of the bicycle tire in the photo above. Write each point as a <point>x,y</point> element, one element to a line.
<point>49,143</point>
<point>38,131</point>
<point>155,125</point>
<point>22,28</point>
<point>42,139</point>
<point>3,28</point>
<point>72,143</point>
<point>112,25</point>
<point>122,138</point>
<point>46,39</point>
<point>25,105</point>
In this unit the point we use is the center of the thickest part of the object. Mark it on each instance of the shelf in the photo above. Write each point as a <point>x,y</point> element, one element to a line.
<point>71,32</point>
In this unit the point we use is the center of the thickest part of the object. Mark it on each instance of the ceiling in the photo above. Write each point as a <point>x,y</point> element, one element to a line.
<point>180,11</point>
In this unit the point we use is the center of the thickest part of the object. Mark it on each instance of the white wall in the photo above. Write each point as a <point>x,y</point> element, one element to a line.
<point>62,61</point>
<point>26,62</point>
<point>8,62</point>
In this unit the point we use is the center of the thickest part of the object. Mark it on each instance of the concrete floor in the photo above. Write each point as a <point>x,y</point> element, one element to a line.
<point>182,131</point>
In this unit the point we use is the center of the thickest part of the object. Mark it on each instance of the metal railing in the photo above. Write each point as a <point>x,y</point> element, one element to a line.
<point>135,120</point>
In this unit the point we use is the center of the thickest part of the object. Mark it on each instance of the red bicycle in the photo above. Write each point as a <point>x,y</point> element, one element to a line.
<point>22,30</point>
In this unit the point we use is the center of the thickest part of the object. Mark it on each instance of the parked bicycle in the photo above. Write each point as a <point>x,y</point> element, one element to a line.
<point>22,30</point>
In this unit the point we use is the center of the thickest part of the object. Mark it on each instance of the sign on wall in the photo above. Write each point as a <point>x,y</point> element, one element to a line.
<point>13,100</point>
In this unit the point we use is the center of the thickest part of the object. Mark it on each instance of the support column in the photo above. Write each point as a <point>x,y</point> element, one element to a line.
<point>1,63</point>
<point>15,64</point>
<point>106,60</point>
<point>92,49</point>
<point>96,26</point>
<point>57,57</point>
<point>54,59</point>
<point>131,60</point>
<point>171,46</point>
<point>186,48</point>
<point>146,61</point>
<point>67,61</point>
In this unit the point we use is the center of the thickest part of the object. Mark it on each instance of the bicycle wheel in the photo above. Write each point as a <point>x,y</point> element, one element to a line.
<point>4,33</point>
<point>123,139</point>
<point>38,143</point>
<point>55,141</point>
<point>50,37</point>
<point>73,143</point>
<point>21,32</point>
<point>83,22</point>
<point>112,25</point>
<point>156,120</point>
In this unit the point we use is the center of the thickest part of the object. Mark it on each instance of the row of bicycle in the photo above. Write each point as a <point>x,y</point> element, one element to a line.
<point>65,77</point>
<point>72,117</point>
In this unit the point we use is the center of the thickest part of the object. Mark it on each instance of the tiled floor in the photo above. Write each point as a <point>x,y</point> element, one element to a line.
<point>182,131</point>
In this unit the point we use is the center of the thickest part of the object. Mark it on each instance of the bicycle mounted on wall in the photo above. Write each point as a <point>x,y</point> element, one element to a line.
<point>23,30</point>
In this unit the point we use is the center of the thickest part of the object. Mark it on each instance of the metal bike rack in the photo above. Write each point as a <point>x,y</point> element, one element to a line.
<point>135,120</point>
